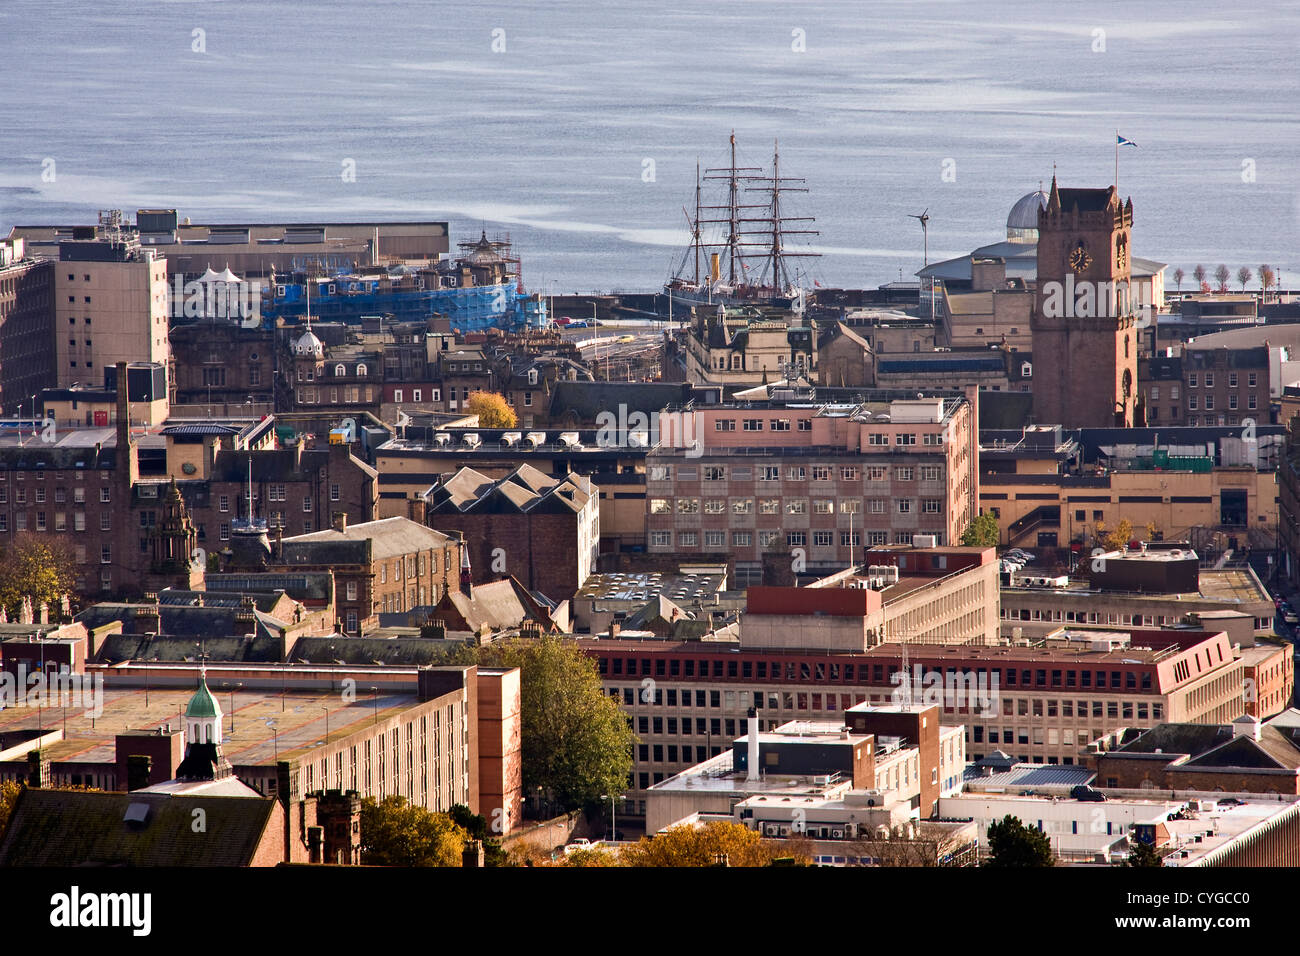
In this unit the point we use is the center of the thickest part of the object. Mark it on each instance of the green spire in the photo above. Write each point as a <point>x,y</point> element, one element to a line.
<point>202,704</point>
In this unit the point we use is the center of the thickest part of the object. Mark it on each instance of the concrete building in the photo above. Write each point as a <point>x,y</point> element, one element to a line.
<point>287,732</point>
<point>898,593</point>
<point>803,775</point>
<point>809,479</point>
<point>27,326</point>
<point>111,304</point>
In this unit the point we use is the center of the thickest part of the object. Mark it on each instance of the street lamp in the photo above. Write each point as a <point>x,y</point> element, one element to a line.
<point>325,707</point>
<point>374,695</point>
<point>613,829</point>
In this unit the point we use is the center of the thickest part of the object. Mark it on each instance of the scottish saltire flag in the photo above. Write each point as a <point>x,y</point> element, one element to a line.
<point>1121,141</point>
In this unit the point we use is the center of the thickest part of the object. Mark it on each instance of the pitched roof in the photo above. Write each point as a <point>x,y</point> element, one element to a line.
<point>525,489</point>
<point>388,537</point>
<point>90,828</point>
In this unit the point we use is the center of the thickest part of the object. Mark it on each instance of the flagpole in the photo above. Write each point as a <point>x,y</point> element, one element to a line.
<point>1117,163</point>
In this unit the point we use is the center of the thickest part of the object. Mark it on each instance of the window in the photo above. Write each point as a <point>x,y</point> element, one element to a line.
<point>877,473</point>
<point>753,424</point>
<point>724,425</point>
<point>796,539</point>
<point>903,474</point>
<point>715,539</point>
<point>1191,402</point>
<point>850,540</point>
<point>929,472</point>
<point>823,506</point>
<point>1251,379</point>
<point>780,424</point>
<point>106,554</point>
<point>877,506</point>
<point>1209,402</point>
<point>417,395</point>
<point>1232,379</point>
<point>930,506</point>
<point>823,539</point>
<point>850,506</point>
<point>104,495</point>
<point>905,439</point>
<point>821,473</point>
<point>742,506</point>
<point>715,473</point>
<point>223,502</point>
<point>1155,393</point>
<point>1192,380</point>
<point>661,539</point>
<point>796,473</point>
<point>688,506</point>
<point>352,590</point>
<point>660,506</point>
<point>805,424</point>
<point>334,492</point>
<point>1173,392</point>
<point>1209,380</point>
<point>715,506</point>
<point>105,519</point>
<point>877,438</point>
<point>769,506</point>
<point>904,506</point>
<point>741,539</point>
<point>306,504</point>
<point>796,506</point>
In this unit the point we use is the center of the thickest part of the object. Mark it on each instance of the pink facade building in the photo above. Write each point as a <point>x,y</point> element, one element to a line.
<point>816,480</point>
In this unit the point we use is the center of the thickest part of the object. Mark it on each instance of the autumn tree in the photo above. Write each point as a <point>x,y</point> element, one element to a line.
<point>1121,536</point>
<point>492,409</point>
<point>9,791</point>
<point>1267,277</point>
<point>688,845</point>
<point>397,833</point>
<point>35,567</point>
<point>592,857</point>
<point>982,532</point>
<point>575,738</point>
<point>1221,276</point>
<point>1244,275</point>
<point>1179,275</point>
<point>1199,275</point>
<point>476,825</point>
<point>1012,844</point>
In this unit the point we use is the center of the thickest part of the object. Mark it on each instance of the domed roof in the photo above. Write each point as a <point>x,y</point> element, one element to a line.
<point>309,345</point>
<point>202,704</point>
<point>1024,215</point>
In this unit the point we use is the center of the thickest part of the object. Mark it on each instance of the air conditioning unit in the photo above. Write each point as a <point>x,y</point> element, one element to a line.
<point>837,834</point>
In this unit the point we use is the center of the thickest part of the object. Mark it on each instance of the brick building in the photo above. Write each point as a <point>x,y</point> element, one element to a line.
<point>1085,345</point>
<point>385,566</point>
<point>544,531</point>
<point>223,365</point>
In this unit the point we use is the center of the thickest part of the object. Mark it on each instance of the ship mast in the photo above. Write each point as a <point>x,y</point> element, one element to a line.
<point>696,224</point>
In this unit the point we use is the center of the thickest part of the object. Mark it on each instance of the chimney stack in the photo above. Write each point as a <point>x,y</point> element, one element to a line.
<point>340,521</point>
<point>752,776</point>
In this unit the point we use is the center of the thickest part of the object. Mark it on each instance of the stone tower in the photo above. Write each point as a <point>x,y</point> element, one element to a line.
<point>1083,323</point>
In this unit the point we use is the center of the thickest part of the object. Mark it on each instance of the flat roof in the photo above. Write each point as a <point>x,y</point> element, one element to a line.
<point>266,726</point>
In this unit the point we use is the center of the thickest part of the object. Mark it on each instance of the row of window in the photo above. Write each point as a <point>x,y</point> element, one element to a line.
<point>1252,380</point>
<point>745,539</point>
<point>60,495</point>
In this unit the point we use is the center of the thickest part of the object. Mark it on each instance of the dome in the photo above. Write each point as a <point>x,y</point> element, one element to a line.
<point>1022,221</point>
<point>309,345</point>
<point>202,704</point>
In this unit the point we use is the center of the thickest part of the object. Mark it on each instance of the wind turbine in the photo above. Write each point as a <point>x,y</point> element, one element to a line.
<point>924,219</point>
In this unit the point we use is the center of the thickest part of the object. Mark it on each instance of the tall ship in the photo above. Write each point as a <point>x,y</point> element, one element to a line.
<point>738,254</point>
<point>479,289</point>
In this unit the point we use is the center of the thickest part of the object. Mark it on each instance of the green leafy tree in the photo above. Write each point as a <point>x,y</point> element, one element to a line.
<point>576,741</point>
<point>983,532</point>
<point>397,833</point>
<point>1012,844</point>
<point>492,409</point>
<point>1142,854</point>
<point>35,567</point>
<point>477,827</point>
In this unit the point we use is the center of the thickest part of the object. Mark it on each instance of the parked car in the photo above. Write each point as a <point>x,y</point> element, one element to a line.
<point>1088,794</point>
<point>578,843</point>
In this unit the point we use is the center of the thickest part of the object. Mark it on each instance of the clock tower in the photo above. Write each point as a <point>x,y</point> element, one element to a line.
<point>1083,322</point>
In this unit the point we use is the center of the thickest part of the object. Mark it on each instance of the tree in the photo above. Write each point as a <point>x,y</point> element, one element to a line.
<point>397,833</point>
<point>9,791</point>
<point>1121,536</point>
<point>476,826</point>
<point>982,532</point>
<point>35,567</point>
<point>1179,275</point>
<point>576,741</point>
<point>594,857</point>
<point>688,845</point>
<point>1142,854</point>
<point>1221,275</point>
<point>492,409</point>
<point>1199,275</point>
<point>1015,845</point>
<point>1244,275</point>
<point>1267,277</point>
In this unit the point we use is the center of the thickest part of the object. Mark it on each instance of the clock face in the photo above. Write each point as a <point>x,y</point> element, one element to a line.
<point>1079,258</point>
